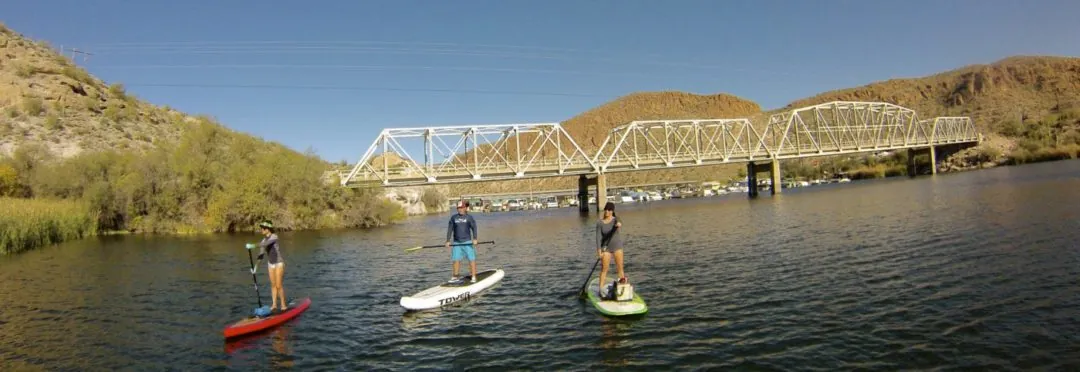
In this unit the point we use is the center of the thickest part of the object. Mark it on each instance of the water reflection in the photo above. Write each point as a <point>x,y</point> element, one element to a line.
<point>280,343</point>
<point>416,320</point>
<point>614,333</point>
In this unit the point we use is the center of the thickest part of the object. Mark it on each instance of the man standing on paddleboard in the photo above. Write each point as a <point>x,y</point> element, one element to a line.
<point>462,230</point>
<point>274,262</point>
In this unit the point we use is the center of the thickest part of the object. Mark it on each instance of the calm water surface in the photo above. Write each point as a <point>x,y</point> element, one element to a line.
<point>976,270</point>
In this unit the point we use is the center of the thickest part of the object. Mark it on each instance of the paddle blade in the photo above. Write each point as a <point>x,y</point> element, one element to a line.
<point>249,246</point>
<point>413,249</point>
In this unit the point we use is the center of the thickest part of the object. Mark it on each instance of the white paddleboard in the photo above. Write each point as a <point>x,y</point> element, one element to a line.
<point>449,293</point>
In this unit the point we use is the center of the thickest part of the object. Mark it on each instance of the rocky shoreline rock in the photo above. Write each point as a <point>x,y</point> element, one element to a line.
<point>411,199</point>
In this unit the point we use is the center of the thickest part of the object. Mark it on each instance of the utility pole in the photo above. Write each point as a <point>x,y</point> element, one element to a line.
<point>75,51</point>
<point>85,54</point>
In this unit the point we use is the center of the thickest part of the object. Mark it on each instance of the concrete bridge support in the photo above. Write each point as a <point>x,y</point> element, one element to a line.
<point>936,154</point>
<point>752,170</point>
<point>913,164</point>
<point>584,181</point>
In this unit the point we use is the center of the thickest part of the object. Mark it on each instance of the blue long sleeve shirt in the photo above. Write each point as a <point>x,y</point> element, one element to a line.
<point>461,228</point>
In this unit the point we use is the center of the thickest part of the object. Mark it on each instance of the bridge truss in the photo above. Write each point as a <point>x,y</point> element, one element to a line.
<point>469,153</point>
<point>517,151</point>
<point>846,127</point>
<point>676,143</point>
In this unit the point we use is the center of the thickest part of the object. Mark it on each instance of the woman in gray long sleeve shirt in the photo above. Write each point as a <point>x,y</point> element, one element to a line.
<point>609,243</point>
<point>275,264</point>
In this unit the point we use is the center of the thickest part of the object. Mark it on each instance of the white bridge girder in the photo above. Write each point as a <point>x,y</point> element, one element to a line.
<point>847,127</point>
<point>547,150</point>
<point>469,153</point>
<point>656,144</point>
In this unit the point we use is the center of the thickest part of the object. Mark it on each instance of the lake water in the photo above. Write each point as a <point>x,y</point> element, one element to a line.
<point>975,270</point>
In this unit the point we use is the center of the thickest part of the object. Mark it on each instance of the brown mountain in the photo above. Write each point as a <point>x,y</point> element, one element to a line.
<point>591,127</point>
<point>1007,89</point>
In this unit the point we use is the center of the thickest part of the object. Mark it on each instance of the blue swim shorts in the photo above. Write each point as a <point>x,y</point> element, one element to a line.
<point>465,251</point>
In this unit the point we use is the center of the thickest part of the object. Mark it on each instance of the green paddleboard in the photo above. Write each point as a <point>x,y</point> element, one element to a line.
<point>614,308</point>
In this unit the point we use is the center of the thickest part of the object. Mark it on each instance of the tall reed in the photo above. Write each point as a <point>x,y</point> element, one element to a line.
<point>32,223</point>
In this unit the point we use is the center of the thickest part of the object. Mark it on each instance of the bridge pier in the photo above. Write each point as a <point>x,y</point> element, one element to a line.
<point>584,181</point>
<point>913,164</point>
<point>752,169</point>
<point>936,154</point>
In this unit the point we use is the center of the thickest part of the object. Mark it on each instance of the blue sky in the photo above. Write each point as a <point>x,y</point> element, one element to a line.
<point>330,74</point>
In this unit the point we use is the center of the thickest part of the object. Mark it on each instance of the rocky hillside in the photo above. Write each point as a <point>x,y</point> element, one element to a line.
<point>1011,89</point>
<point>136,167</point>
<point>46,99</point>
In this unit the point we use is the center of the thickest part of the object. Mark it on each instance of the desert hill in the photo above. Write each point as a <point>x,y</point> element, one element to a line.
<point>1007,89</point>
<point>592,126</point>
<point>46,99</point>
<point>127,165</point>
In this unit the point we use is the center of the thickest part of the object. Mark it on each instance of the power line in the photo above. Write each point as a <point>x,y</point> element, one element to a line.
<point>359,88</point>
<point>284,47</point>
<point>368,67</point>
<point>344,43</point>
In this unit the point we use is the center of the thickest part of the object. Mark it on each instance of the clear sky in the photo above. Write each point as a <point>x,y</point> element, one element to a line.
<point>330,74</point>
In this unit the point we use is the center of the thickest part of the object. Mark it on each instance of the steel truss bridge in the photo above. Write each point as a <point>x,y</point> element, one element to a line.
<point>535,150</point>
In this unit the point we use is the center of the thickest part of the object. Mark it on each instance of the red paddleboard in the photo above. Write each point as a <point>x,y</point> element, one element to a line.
<point>254,324</point>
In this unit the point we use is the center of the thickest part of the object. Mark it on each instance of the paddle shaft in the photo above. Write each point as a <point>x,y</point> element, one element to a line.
<point>452,245</point>
<point>589,276</point>
<point>258,297</point>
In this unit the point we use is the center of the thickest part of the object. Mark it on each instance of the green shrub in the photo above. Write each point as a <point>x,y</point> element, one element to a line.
<point>986,153</point>
<point>117,90</point>
<point>33,106</point>
<point>432,199</point>
<point>77,74</point>
<point>52,122</point>
<point>24,70</point>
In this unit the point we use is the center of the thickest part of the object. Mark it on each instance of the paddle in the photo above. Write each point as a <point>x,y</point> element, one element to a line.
<point>443,245</point>
<point>603,241</point>
<point>258,297</point>
<point>582,292</point>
